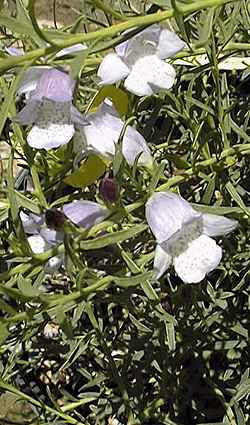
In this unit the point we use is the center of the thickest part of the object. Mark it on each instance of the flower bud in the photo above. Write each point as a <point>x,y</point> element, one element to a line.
<point>54,218</point>
<point>109,189</point>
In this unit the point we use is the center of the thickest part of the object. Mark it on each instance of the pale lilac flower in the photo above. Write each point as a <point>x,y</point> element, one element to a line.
<point>51,111</point>
<point>103,132</point>
<point>31,77</point>
<point>41,238</point>
<point>140,61</point>
<point>82,213</point>
<point>183,236</point>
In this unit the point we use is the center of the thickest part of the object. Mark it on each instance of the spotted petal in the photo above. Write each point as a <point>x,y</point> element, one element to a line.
<point>162,261</point>
<point>85,213</point>
<point>169,44</point>
<point>202,256</point>
<point>167,214</point>
<point>29,114</point>
<point>53,127</point>
<point>217,225</point>
<point>112,69</point>
<point>150,75</point>
<point>77,118</point>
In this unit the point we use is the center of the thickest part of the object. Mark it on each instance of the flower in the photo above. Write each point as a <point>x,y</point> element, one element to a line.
<point>103,132</point>
<point>183,236</point>
<point>140,61</point>
<point>51,111</point>
<point>42,238</point>
<point>82,213</point>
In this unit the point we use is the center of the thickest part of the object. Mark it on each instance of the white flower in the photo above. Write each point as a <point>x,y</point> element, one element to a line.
<point>140,61</point>
<point>82,213</point>
<point>103,133</point>
<point>183,236</point>
<point>42,238</point>
<point>49,109</point>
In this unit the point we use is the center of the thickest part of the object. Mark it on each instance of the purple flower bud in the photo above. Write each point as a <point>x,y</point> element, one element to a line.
<point>54,218</point>
<point>109,189</point>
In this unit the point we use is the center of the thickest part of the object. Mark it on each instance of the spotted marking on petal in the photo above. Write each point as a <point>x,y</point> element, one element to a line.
<point>53,127</point>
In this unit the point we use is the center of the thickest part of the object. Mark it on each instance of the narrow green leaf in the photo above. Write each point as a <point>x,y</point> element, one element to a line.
<point>236,197</point>
<point>26,288</point>
<point>113,238</point>
<point>170,332</point>
<point>126,282</point>
<point>4,333</point>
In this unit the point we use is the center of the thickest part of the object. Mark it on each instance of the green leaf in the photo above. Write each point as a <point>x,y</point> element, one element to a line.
<point>236,197</point>
<point>92,169</point>
<point>118,97</point>
<point>170,335</point>
<point>64,323</point>
<point>4,333</point>
<point>26,288</point>
<point>126,282</point>
<point>113,238</point>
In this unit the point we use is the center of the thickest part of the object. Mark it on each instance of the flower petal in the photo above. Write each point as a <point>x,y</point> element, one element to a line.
<point>53,264</point>
<point>121,49</point>
<point>72,49</point>
<point>169,44</point>
<point>150,75</point>
<point>14,51</point>
<point>202,256</point>
<point>29,114</point>
<point>112,69</point>
<point>31,222</point>
<point>37,244</point>
<point>162,261</point>
<point>143,44</point>
<point>217,225</point>
<point>53,127</point>
<point>85,213</point>
<point>51,236</point>
<point>30,79</point>
<point>54,85</point>
<point>167,213</point>
<point>53,136</point>
<point>133,145</point>
<point>77,118</point>
<point>103,133</point>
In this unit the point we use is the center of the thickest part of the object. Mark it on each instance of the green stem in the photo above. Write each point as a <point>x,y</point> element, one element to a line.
<point>107,9</point>
<point>111,31</point>
<point>38,187</point>
<point>243,149</point>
